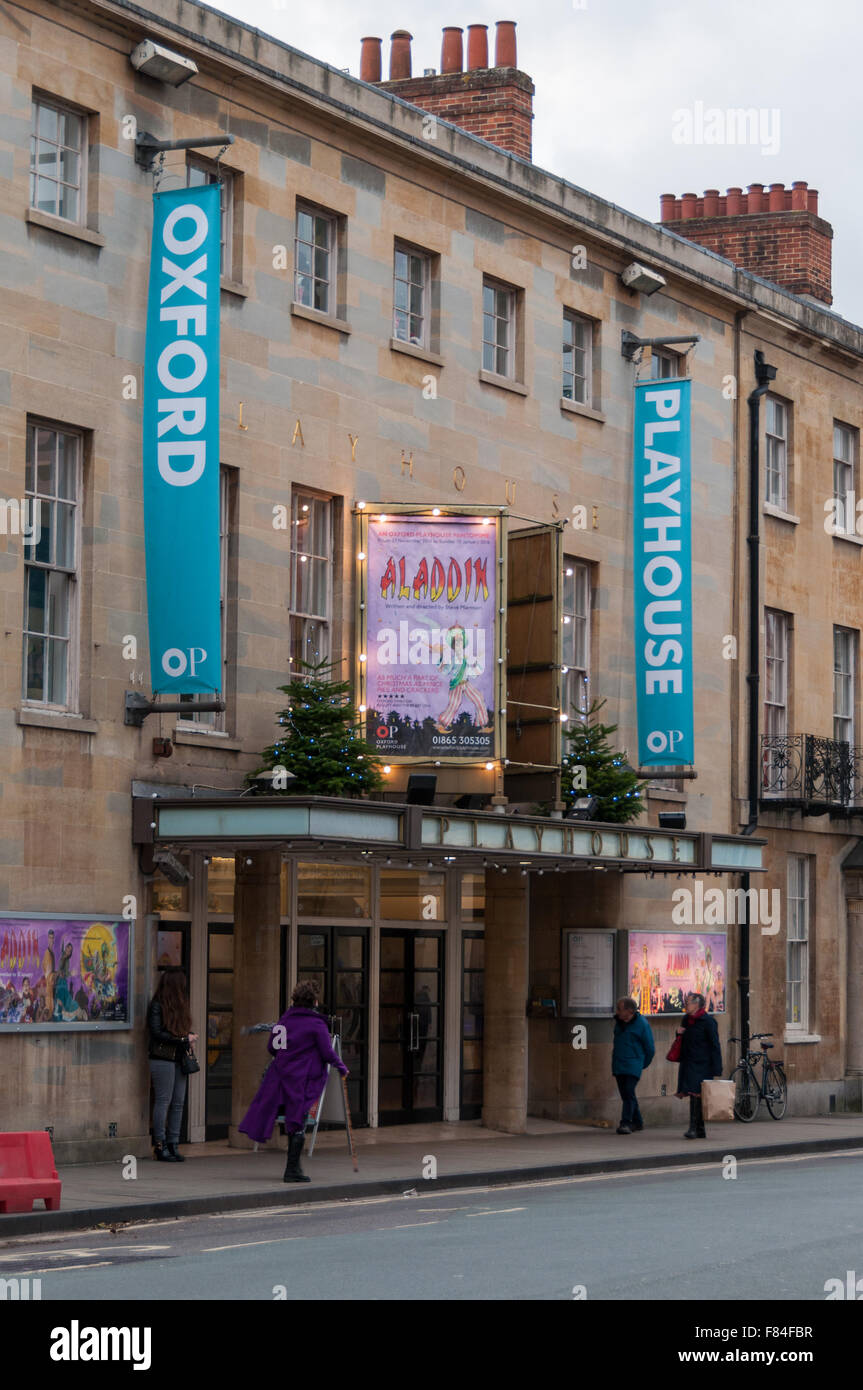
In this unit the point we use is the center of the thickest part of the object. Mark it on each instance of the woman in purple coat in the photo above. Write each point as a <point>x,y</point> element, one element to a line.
<point>300,1047</point>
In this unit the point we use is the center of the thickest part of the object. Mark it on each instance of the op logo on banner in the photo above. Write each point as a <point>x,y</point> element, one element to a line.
<point>663,573</point>
<point>431,625</point>
<point>181,442</point>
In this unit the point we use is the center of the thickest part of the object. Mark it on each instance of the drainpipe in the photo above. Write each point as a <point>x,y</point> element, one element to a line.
<point>764,374</point>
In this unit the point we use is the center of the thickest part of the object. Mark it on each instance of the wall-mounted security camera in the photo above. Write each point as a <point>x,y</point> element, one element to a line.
<point>642,278</point>
<point>162,64</point>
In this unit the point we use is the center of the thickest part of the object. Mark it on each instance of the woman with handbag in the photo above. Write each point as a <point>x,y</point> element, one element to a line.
<point>171,1059</point>
<point>700,1059</point>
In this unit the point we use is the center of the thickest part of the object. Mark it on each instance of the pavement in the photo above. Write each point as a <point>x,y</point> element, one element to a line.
<point>424,1158</point>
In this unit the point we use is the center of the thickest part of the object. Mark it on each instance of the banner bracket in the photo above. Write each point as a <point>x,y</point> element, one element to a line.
<point>138,708</point>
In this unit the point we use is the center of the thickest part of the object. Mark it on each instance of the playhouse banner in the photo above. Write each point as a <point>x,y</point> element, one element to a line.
<point>666,966</point>
<point>181,442</point>
<point>64,972</point>
<point>431,624</point>
<point>662,510</point>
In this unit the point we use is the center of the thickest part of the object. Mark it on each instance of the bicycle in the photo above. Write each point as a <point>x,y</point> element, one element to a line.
<point>749,1092</point>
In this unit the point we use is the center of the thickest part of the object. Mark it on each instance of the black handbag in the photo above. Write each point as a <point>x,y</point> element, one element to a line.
<point>189,1063</point>
<point>162,1051</point>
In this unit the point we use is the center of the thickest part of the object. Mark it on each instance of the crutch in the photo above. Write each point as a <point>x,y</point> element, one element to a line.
<point>348,1124</point>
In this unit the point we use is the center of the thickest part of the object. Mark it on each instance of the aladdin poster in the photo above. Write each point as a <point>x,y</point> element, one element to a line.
<point>431,672</point>
<point>666,966</point>
<point>63,972</point>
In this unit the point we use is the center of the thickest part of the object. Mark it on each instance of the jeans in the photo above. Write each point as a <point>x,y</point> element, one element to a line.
<point>630,1113</point>
<point>169,1084</point>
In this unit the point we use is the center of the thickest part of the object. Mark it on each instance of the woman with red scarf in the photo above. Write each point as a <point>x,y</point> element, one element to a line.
<point>700,1060</point>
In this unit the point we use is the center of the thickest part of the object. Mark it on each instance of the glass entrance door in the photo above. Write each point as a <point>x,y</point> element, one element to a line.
<point>411,1021</point>
<point>472,977</point>
<point>337,957</point>
<point>220,1018</point>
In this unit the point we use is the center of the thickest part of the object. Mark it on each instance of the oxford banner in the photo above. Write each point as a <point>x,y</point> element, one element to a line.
<point>663,573</point>
<point>181,442</point>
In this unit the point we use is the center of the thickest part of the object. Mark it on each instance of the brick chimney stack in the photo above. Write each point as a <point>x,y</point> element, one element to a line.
<point>494,103</point>
<point>775,232</point>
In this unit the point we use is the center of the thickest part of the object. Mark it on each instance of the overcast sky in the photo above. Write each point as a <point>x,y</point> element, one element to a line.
<point>610,75</point>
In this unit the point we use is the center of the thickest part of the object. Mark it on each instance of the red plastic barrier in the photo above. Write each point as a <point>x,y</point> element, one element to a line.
<point>27,1172</point>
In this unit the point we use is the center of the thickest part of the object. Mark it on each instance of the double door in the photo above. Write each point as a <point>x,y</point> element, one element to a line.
<point>337,957</point>
<point>411,1026</point>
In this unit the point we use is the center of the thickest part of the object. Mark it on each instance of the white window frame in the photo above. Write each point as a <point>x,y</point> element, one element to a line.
<point>776,441</point>
<point>776,651</point>
<point>225,177</point>
<point>575,619</point>
<point>845,455</point>
<point>511,321</point>
<point>665,364</point>
<point>844,684</point>
<point>70,704</point>
<point>43,101</point>
<point>215,721</point>
<point>798,936</point>
<point>331,282</point>
<point>303,496</point>
<point>580,385</point>
<point>424,340</point>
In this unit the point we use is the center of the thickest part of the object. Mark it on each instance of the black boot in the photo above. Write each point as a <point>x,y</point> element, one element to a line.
<point>162,1152</point>
<point>700,1131</point>
<point>692,1132</point>
<point>293,1171</point>
<point>175,1152</point>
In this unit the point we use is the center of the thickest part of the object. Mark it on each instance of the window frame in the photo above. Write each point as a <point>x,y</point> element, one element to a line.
<point>406,249</point>
<point>489,282</point>
<point>73,641</point>
<point>848,637</point>
<point>229,268</point>
<point>780,660</point>
<point>782,499</point>
<point>333,221</point>
<point>799,911</point>
<point>39,99</point>
<point>580,571</point>
<point>666,356</point>
<point>846,518</point>
<point>572,317</point>
<point>299,491</point>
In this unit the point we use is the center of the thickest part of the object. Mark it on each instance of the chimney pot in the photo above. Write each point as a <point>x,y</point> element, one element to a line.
<point>812,200</point>
<point>667,207</point>
<point>687,204</point>
<point>505,55</point>
<point>370,60</point>
<point>799,201</point>
<point>733,202</point>
<point>477,46</point>
<point>777,197</point>
<point>400,55</point>
<point>711,202</point>
<point>451,52</point>
<point>755,201</point>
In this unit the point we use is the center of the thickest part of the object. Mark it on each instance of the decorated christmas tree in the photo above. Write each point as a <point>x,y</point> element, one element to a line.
<point>591,767</point>
<point>321,740</point>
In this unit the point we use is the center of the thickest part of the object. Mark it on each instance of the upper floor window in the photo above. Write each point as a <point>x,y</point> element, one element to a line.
<point>53,490</point>
<point>776,673</point>
<point>664,364</point>
<point>777,452</point>
<point>575,666</point>
<point>315,260</point>
<point>577,358</point>
<point>844,662</point>
<point>199,173</point>
<point>498,329</point>
<point>797,958</point>
<point>845,440</point>
<point>57,160</point>
<point>215,719</point>
<point>411,282</point>
<point>311,578</point>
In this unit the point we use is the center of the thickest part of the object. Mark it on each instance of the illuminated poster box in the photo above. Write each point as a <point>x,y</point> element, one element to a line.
<point>430,670</point>
<point>663,967</point>
<point>64,973</point>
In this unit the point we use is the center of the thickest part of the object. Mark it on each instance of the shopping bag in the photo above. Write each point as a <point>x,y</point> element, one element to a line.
<point>717,1100</point>
<point>673,1053</point>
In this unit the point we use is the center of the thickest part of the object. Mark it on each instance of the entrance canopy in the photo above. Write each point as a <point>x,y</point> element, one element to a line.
<point>384,830</point>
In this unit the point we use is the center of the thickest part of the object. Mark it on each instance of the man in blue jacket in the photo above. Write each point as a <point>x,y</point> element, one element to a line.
<point>633,1050</point>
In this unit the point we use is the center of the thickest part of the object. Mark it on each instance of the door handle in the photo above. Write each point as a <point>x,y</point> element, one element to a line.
<point>414,1044</point>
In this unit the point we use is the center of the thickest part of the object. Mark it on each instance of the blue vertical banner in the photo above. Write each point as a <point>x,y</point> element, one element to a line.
<point>663,573</point>
<point>181,442</point>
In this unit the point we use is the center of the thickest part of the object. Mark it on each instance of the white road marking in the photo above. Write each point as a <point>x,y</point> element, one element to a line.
<point>58,1269</point>
<point>497,1211</point>
<point>408,1226</point>
<point>243,1244</point>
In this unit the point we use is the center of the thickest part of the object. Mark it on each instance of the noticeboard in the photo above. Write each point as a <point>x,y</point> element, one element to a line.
<point>588,986</point>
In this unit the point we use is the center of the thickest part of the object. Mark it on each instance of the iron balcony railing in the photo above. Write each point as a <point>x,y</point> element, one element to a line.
<point>805,770</point>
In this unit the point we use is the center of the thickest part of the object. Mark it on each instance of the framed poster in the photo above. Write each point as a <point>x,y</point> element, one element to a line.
<point>430,591</point>
<point>588,974</point>
<point>663,967</point>
<point>69,973</point>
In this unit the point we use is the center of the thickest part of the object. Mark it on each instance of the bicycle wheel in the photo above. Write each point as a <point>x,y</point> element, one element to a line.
<point>747,1096</point>
<point>776,1093</point>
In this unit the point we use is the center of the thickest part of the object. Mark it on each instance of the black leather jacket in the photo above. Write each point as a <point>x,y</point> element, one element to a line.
<point>158,1031</point>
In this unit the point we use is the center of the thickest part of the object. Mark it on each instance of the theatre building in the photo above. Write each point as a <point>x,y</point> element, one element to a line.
<point>435,364</point>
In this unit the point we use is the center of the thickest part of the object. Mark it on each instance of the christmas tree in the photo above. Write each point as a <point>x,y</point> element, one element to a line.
<point>606,775</point>
<point>321,741</point>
